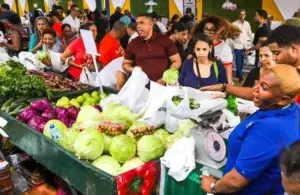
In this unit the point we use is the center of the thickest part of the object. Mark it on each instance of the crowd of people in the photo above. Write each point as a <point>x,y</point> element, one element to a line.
<point>205,53</point>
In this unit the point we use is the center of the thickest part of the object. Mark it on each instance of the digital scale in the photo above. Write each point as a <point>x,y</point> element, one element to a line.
<point>210,148</point>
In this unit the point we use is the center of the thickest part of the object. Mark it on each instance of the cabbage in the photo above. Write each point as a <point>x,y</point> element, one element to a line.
<point>73,112</point>
<point>49,114</point>
<point>108,164</point>
<point>162,135</point>
<point>150,148</point>
<point>122,148</point>
<point>41,105</point>
<point>108,140</point>
<point>58,124</point>
<point>88,117</point>
<point>131,164</point>
<point>183,130</point>
<point>42,55</point>
<point>89,144</point>
<point>68,139</point>
<point>36,122</point>
<point>27,114</point>
<point>118,112</point>
<point>171,75</point>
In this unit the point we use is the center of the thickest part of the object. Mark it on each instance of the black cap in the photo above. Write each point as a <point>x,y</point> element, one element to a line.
<point>13,18</point>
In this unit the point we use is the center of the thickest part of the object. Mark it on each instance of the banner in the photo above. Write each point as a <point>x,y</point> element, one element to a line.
<point>287,9</point>
<point>118,3</point>
<point>91,4</point>
<point>179,4</point>
<point>47,7</point>
<point>191,4</point>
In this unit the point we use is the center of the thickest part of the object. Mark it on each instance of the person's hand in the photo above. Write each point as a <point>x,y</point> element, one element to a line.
<point>206,182</point>
<point>217,87</point>
<point>161,81</point>
<point>47,62</point>
<point>40,44</point>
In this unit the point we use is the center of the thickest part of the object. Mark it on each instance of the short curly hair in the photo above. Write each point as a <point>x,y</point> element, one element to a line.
<point>224,28</point>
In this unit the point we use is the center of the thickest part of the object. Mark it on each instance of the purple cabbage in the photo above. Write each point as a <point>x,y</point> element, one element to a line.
<point>71,122</point>
<point>73,112</point>
<point>36,122</point>
<point>41,105</point>
<point>49,114</point>
<point>61,111</point>
<point>64,119</point>
<point>27,114</point>
<point>41,126</point>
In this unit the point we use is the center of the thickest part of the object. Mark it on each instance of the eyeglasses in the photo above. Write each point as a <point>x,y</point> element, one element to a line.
<point>209,30</point>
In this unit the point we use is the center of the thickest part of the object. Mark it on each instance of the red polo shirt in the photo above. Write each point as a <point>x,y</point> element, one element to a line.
<point>151,55</point>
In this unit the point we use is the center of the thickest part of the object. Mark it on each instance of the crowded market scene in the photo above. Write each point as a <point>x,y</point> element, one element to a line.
<point>149,97</point>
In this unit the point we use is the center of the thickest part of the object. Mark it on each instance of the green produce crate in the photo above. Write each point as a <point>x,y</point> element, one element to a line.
<point>81,175</point>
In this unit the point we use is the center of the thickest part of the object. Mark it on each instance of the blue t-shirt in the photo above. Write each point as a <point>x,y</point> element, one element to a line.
<point>188,77</point>
<point>255,145</point>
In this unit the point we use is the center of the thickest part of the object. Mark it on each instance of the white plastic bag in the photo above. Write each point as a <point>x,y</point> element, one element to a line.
<point>3,55</point>
<point>57,64</point>
<point>183,110</point>
<point>30,61</point>
<point>90,78</point>
<point>134,94</point>
<point>155,110</point>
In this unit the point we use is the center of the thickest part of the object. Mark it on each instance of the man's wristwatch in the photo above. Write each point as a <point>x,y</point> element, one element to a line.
<point>212,186</point>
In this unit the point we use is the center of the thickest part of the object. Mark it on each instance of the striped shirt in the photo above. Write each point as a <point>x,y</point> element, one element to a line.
<point>223,52</point>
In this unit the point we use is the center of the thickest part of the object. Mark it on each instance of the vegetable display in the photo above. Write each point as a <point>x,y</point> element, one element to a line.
<point>83,100</point>
<point>41,111</point>
<point>107,164</point>
<point>89,144</point>
<point>140,129</point>
<point>16,85</point>
<point>150,148</point>
<point>122,148</point>
<point>57,83</point>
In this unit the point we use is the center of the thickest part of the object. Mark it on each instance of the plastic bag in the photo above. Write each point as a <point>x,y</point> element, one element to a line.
<point>57,65</point>
<point>30,61</point>
<point>155,108</point>
<point>183,109</point>
<point>134,94</point>
<point>90,78</point>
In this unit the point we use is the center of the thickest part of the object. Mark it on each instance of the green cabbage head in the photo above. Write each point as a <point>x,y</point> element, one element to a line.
<point>122,148</point>
<point>150,148</point>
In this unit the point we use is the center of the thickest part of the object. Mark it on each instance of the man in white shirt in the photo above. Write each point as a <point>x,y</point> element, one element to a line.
<point>131,31</point>
<point>72,19</point>
<point>161,26</point>
<point>241,42</point>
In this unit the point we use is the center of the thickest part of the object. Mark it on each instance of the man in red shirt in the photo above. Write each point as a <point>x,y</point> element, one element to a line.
<point>110,47</point>
<point>153,52</point>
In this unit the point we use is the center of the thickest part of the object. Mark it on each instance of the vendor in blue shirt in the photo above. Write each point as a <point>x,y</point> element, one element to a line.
<point>202,70</point>
<point>254,147</point>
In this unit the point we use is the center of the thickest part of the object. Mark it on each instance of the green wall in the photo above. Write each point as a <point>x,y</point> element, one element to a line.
<point>251,6</point>
<point>139,7</point>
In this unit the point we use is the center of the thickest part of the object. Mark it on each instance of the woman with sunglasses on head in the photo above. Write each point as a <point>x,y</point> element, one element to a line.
<point>219,30</point>
<point>255,145</point>
<point>202,69</point>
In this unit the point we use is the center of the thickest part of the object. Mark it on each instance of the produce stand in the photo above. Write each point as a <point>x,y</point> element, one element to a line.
<point>84,177</point>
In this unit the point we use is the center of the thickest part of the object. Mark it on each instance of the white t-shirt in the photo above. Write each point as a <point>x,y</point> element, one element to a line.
<point>108,73</point>
<point>74,23</point>
<point>133,36</point>
<point>223,52</point>
<point>245,37</point>
<point>162,27</point>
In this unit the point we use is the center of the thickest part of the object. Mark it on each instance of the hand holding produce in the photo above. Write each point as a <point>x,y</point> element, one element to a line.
<point>41,55</point>
<point>171,76</point>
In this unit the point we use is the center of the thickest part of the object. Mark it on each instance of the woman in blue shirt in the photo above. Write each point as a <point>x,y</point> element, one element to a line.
<point>202,70</point>
<point>254,147</point>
